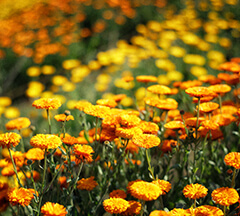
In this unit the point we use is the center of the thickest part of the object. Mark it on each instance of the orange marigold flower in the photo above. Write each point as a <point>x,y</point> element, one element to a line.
<point>209,79</point>
<point>83,152</point>
<point>115,205</point>
<point>47,103</point>
<point>53,209</point>
<point>193,121</point>
<point>225,196</point>
<point>195,191</point>
<point>127,133</point>
<point>69,140</point>
<point>233,159</point>
<point>133,209</point>
<point>144,190</point>
<point>202,99</point>
<point>229,109</point>
<point>215,134</point>
<point>128,120</point>
<point>45,141</point>
<point>146,78</point>
<point>207,210</point>
<point>118,194</point>
<point>35,174</point>
<point>208,107</point>
<point>167,145</point>
<point>165,104</point>
<point>107,102</point>
<point>97,110</point>
<point>9,139</point>
<point>18,158</point>
<point>34,154</point>
<point>199,92</point>
<point>223,119</point>
<point>63,117</point>
<point>87,184</point>
<point>174,125</point>
<point>159,213</point>
<point>146,140</point>
<point>107,135</point>
<point>21,196</point>
<point>18,123</point>
<point>208,125</point>
<point>179,211</point>
<point>159,89</point>
<point>8,170</point>
<point>190,84</point>
<point>119,97</point>
<point>230,66</point>
<point>82,104</point>
<point>148,127</point>
<point>62,180</point>
<point>220,88</point>
<point>165,186</point>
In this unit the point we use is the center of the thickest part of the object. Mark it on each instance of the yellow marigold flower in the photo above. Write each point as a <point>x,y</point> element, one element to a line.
<point>159,89</point>
<point>87,184</point>
<point>225,196</point>
<point>164,185</point>
<point>233,159</point>
<point>63,117</point>
<point>97,110</point>
<point>47,103</point>
<point>18,123</point>
<point>45,141</point>
<point>208,107</point>
<point>144,190</point>
<point>174,125</point>
<point>146,78</point>
<point>83,152</point>
<point>9,139</point>
<point>107,102</point>
<point>48,69</point>
<point>53,209</point>
<point>148,127</point>
<point>33,71</point>
<point>178,211</point>
<point>34,154</point>
<point>195,191</point>
<point>21,196</point>
<point>199,91</point>
<point>146,140</point>
<point>11,112</point>
<point>129,120</point>
<point>5,101</point>
<point>133,209</point>
<point>159,213</point>
<point>115,205</point>
<point>220,88</point>
<point>82,104</point>
<point>118,194</point>
<point>18,158</point>
<point>127,133</point>
<point>164,104</point>
<point>207,210</point>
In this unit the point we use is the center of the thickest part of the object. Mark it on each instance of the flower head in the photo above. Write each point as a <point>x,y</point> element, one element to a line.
<point>87,184</point>
<point>164,185</point>
<point>97,110</point>
<point>63,117</point>
<point>159,89</point>
<point>118,194</point>
<point>195,191</point>
<point>133,209</point>
<point>53,209</point>
<point>18,123</point>
<point>83,152</point>
<point>225,196</point>
<point>233,159</point>
<point>199,92</point>
<point>115,205</point>
<point>207,210</point>
<point>174,125</point>
<point>146,140</point>
<point>146,78</point>
<point>47,103</point>
<point>45,141</point>
<point>107,102</point>
<point>9,139</point>
<point>34,154</point>
<point>159,213</point>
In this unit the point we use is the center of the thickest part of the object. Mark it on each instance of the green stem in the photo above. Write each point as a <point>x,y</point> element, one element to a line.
<point>15,168</point>
<point>233,178</point>
<point>33,182</point>
<point>150,169</point>
<point>220,103</point>
<point>196,130</point>
<point>194,203</point>
<point>142,209</point>
<point>49,121</point>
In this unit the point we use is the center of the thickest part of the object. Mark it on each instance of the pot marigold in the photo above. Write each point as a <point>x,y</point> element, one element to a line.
<point>115,205</point>
<point>9,139</point>
<point>195,191</point>
<point>21,196</point>
<point>133,209</point>
<point>164,185</point>
<point>220,88</point>
<point>144,190</point>
<point>159,89</point>
<point>53,209</point>
<point>208,107</point>
<point>118,194</point>
<point>127,133</point>
<point>128,120</point>
<point>233,159</point>
<point>87,184</point>
<point>146,140</point>
<point>34,154</point>
<point>182,212</point>
<point>45,141</point>
<point>47,103</point>
<point>83,152</point>
<point>207,210</point>
<point>18,123</point>
<point>225,196</point>
<point>199,92</point>
<point>174,125</point>
<point>97,110</point>
<point>148,127</point>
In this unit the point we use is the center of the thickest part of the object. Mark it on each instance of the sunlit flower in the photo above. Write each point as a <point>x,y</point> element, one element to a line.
<point>21,196</point>
<point>165,186</point>
<point>34,154</point>
<point>208,107</point>
<point>148,127</point>
<point>87,184</point>
<point>133,209</point>
<point>146,78</point>
<point>53,209</point>
<point>179,211</point>
<point>18,158</point>
<point>199,92</point>
<point>225,196</point>
<point>83,152</point>
<point>35,175</point>
<point>159,89</point>
<point>144,190</point>
<point>233,159</point>
<point>45,141</point>
<point>174,125</point>
<point>115,205</point>
<point>96,110</point>
<point>223,119</point>
<point>195,191</point>
<point>164,104</point>
<point>18,123</point>
<point>159,213</point>
<point>82,104</point>
<point>207,210</point>
<point>127,133</point>
<point>166,145</point>
<point>128,120</point>
<point>47,103</point>
<point>62,181</point>
<point>63,117</point>
<point>9,140</point>
<point>107,102</point>
<point>220,88</point>
<point>189,84</point>
<point>118,194</point>
<point>146,140</point>
<point>193,121</point>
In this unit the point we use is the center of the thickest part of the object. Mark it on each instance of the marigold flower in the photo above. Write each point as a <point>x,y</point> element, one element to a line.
<point>127,133</point>
<point>34,154</point>
<point>62,180</point>
<point>144,190</point>
<point>18,158</point>
<point>164,185</point>
<point>69,140</point>
<point>115,205</point>
<point>223,119</point>
<point>45,141</point>
<point>53,209</point>
<point>167,145</point>
<point>146,140</point>
<point>195,191</point>
<point>208,107</point>
<point>230,66</point>
<point>47,103</point>
<point>35,174</point>
<point>174,125</point>
<point>8,170</point>
<point>190,84</point>
<point>220,88</point>
<point>165,104</point>
<point>119,97</point>
<point>146,78</point>
<point>179,211</point>
<point>133,209</point>
<point>83,152</point>
<point>87,184</point>
<point>159,89</point>
<point>215,134</point>
<point>209,79</point>
<point>225,196</point>
<point>228,109</point>
<point>208,125</point>
<point>107,102</point>
<point>118,194</point>
<point>159,213</point>
<point>97,110</point>
<point>18,123</point>
<point>9,139</point>
<point>149,127</point>
<point>21,196</point>
<point>199,92</point>
<point>233,159</point>
<point>207,210</point>
<point>80,105</point>
<point>129,120</point>
<point>193,121</point>
<point>63,117</point>
<point>202,99</point>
